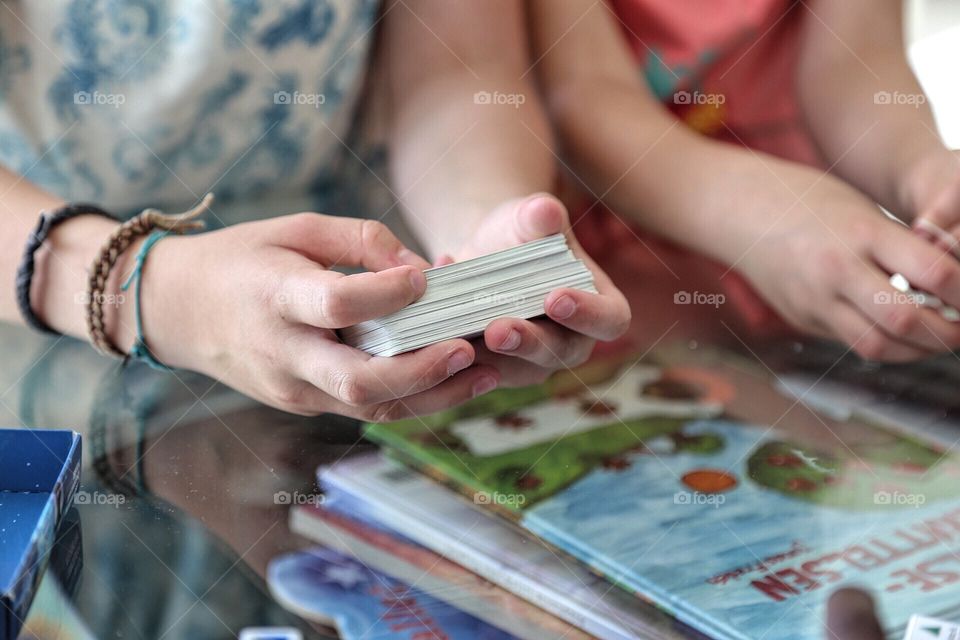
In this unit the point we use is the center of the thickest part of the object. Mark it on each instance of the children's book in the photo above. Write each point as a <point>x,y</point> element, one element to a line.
<point>323,585</point>
<point>381,491</point>
<point>688,479</point>
<point>340,524</point>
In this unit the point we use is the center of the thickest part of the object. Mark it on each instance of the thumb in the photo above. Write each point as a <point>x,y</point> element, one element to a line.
<point>515,222</point>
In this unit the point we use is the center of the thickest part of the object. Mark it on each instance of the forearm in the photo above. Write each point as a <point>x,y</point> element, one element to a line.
<point>59,286</point>
<point>453,160</point>
<point>454,156</point>
<point>865,108</point>
<point>713,197</point>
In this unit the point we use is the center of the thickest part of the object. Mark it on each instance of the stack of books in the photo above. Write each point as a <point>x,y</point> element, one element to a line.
<point>686,493</point>
<point>461,299</point>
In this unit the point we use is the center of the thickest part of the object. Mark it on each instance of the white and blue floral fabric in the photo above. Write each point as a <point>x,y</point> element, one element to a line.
<point>134,103</point>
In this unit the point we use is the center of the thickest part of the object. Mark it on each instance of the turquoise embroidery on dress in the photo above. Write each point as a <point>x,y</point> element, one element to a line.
<point>665,80</point>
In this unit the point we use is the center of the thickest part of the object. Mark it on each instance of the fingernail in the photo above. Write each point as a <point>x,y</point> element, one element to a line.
<point>486,384</point>
<point>417,280</point>
<point>923,233</point>
<point>459,361</point>
<point>511,342</point>
<point>563,308</point>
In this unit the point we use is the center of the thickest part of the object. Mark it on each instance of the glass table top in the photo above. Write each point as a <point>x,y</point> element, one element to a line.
<point>215,472</point>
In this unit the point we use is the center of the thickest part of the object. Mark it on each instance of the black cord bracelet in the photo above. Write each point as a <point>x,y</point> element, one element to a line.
<point>47,223</point>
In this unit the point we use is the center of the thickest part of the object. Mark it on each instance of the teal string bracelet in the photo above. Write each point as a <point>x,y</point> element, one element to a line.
<point>140,350</point>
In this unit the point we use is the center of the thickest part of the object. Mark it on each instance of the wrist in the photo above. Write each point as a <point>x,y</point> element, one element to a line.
<point>61,274</point>
<point>170,307</point>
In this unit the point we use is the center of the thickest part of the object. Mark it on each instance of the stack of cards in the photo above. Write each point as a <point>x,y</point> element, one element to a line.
<point>463,298</point>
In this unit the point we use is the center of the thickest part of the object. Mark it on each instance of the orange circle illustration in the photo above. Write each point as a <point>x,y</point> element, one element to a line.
<point>712,387</point>
<point>709,480</point>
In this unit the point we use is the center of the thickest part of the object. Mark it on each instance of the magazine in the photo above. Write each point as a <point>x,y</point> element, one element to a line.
<point>340,525</point>
<point>325,586</point>
<point>735,508</point>
<point>381,490</point>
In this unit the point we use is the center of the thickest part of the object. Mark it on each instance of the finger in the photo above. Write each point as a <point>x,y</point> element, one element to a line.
<point>541,215</point>
<point>518,221</point>
<point>851,616</point>
<point>898,314</point>
<point>617,308</point>
<point>937,235</point>
<point>357,379</point>
<point>942,214</point>
<point>541,342</point>
<point>465,386</point>
<point>926,267</point>
<point>333,300</point>
<point>337,240</point>
<point>604,317</point>
<point>867,339</point>
<point>514,372</point>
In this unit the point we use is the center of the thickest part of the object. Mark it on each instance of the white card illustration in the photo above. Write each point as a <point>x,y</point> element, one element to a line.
<point>630,395</point>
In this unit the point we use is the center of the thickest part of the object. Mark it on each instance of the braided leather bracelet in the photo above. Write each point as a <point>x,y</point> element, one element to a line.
<point>116,244</point>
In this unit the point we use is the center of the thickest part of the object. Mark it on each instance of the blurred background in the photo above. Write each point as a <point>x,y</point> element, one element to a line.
<point>933,34</point>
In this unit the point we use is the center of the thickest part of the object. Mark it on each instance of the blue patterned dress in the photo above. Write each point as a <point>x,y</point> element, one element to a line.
<point>134,103</point>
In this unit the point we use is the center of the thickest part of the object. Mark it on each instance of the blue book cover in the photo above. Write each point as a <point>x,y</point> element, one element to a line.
<point>39,474</point>
<point>323,585</point>
<point>689,481</point>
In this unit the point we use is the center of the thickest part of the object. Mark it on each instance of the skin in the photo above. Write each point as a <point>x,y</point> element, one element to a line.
<point>262,316</point>
<point>814,245</point>
<point>851,616</point>
<point>438,55</point>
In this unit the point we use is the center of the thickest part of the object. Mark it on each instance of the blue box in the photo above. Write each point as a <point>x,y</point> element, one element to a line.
<point>39,474</point>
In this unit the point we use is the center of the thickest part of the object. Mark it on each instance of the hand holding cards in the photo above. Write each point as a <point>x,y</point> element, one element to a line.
<point>463,298</point>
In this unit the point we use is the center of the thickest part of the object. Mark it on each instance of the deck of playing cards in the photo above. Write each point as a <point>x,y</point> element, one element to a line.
<point>463,298</point>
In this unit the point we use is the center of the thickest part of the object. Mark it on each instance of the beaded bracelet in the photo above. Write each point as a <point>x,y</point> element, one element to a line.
<point>116,244</point>
<point>48,222</point>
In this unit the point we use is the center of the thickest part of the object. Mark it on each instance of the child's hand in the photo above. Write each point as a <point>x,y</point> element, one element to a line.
<point>827,272</point>
<point>255,305</point>
<point>527,351</point>
<point>936,192</point>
